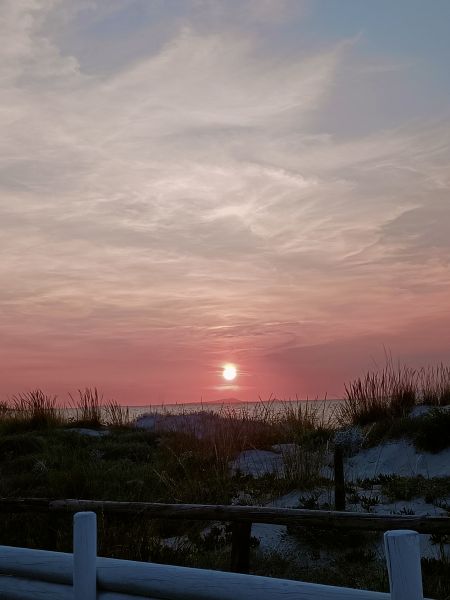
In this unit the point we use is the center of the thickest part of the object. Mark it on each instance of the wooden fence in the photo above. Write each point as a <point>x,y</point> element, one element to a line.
<point>241,518</point>
<point>37,574</point>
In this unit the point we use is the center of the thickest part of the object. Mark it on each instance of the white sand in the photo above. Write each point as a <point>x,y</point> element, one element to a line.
<point>201,424</point>
<point>258,463</point>
<point>88,432</point>
<point>398,457</point>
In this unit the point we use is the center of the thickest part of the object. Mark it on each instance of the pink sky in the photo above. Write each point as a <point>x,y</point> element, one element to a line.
<point>242,182</point>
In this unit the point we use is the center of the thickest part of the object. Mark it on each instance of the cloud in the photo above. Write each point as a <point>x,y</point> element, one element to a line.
<point>188,187</point>
<point>422,232</point>
<point>251,11</point>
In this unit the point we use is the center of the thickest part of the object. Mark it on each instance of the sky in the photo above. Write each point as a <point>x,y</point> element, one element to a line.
<point>190,183</point>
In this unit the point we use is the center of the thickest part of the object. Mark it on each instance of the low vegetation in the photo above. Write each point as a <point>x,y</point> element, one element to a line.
<point>392,392</point>
<point>45,451</point>
<point>429,432</point>
<point>434,490</point>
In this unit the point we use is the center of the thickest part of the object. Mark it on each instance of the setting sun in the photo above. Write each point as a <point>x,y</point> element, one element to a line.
<point>229,372</point>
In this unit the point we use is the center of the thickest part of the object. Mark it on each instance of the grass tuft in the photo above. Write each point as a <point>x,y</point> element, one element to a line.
<point>32,410</point>
<point>88,408</point>
<point>391,393</point>
<point>434,384</point>
<point>116,415</point>
<point>379,395</point>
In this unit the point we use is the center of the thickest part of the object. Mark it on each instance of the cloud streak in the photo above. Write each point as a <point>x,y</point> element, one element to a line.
<point>185,207</point>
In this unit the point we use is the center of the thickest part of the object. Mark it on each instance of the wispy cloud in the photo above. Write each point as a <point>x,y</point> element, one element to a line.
<point>185,205</point>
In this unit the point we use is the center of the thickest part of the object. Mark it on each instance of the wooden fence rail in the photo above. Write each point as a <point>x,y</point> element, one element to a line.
<point>241,517</point>
<point>319,519</point>
<point>34,574</point>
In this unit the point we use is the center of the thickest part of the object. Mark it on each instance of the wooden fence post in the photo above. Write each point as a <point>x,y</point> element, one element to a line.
<point>339,480</point>
<point>85,556</point>
<point>240,546</point>
<point>403,562</point>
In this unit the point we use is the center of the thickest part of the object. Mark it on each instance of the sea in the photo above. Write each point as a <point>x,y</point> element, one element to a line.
<point>325,408</point>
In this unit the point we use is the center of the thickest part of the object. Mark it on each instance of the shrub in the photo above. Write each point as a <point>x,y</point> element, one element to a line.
<point>388,429</point>
<point>433,431</point>
<point>133,451</point>
<point>20,445</point>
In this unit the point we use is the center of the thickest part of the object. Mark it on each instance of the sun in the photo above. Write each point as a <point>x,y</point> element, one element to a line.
<point>229,372</point>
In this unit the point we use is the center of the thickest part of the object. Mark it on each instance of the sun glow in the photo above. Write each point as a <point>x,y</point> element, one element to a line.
<point>229,372</point>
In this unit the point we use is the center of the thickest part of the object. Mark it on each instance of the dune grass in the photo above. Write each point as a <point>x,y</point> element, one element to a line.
<point>434,385</point>
<point>379,395</point>
<point>30,410</point>
<point>87,407</point>
<point>37,410</point>
<point>392,392</point>
<point>116,415</point>
<point>188,464</point>
<point>41,457</point>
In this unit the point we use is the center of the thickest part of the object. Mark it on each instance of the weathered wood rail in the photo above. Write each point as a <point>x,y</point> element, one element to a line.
<point>319,519</point>
<point>242,518</point>
<point>33,574</point>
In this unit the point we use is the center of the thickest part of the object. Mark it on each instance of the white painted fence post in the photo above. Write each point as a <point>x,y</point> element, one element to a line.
<point>403,562</point>
<point>85,556</point>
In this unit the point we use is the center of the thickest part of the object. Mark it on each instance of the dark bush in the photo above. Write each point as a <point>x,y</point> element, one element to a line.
<point>12,446</point>
<point>433,432</point>
<point>127,450</point>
